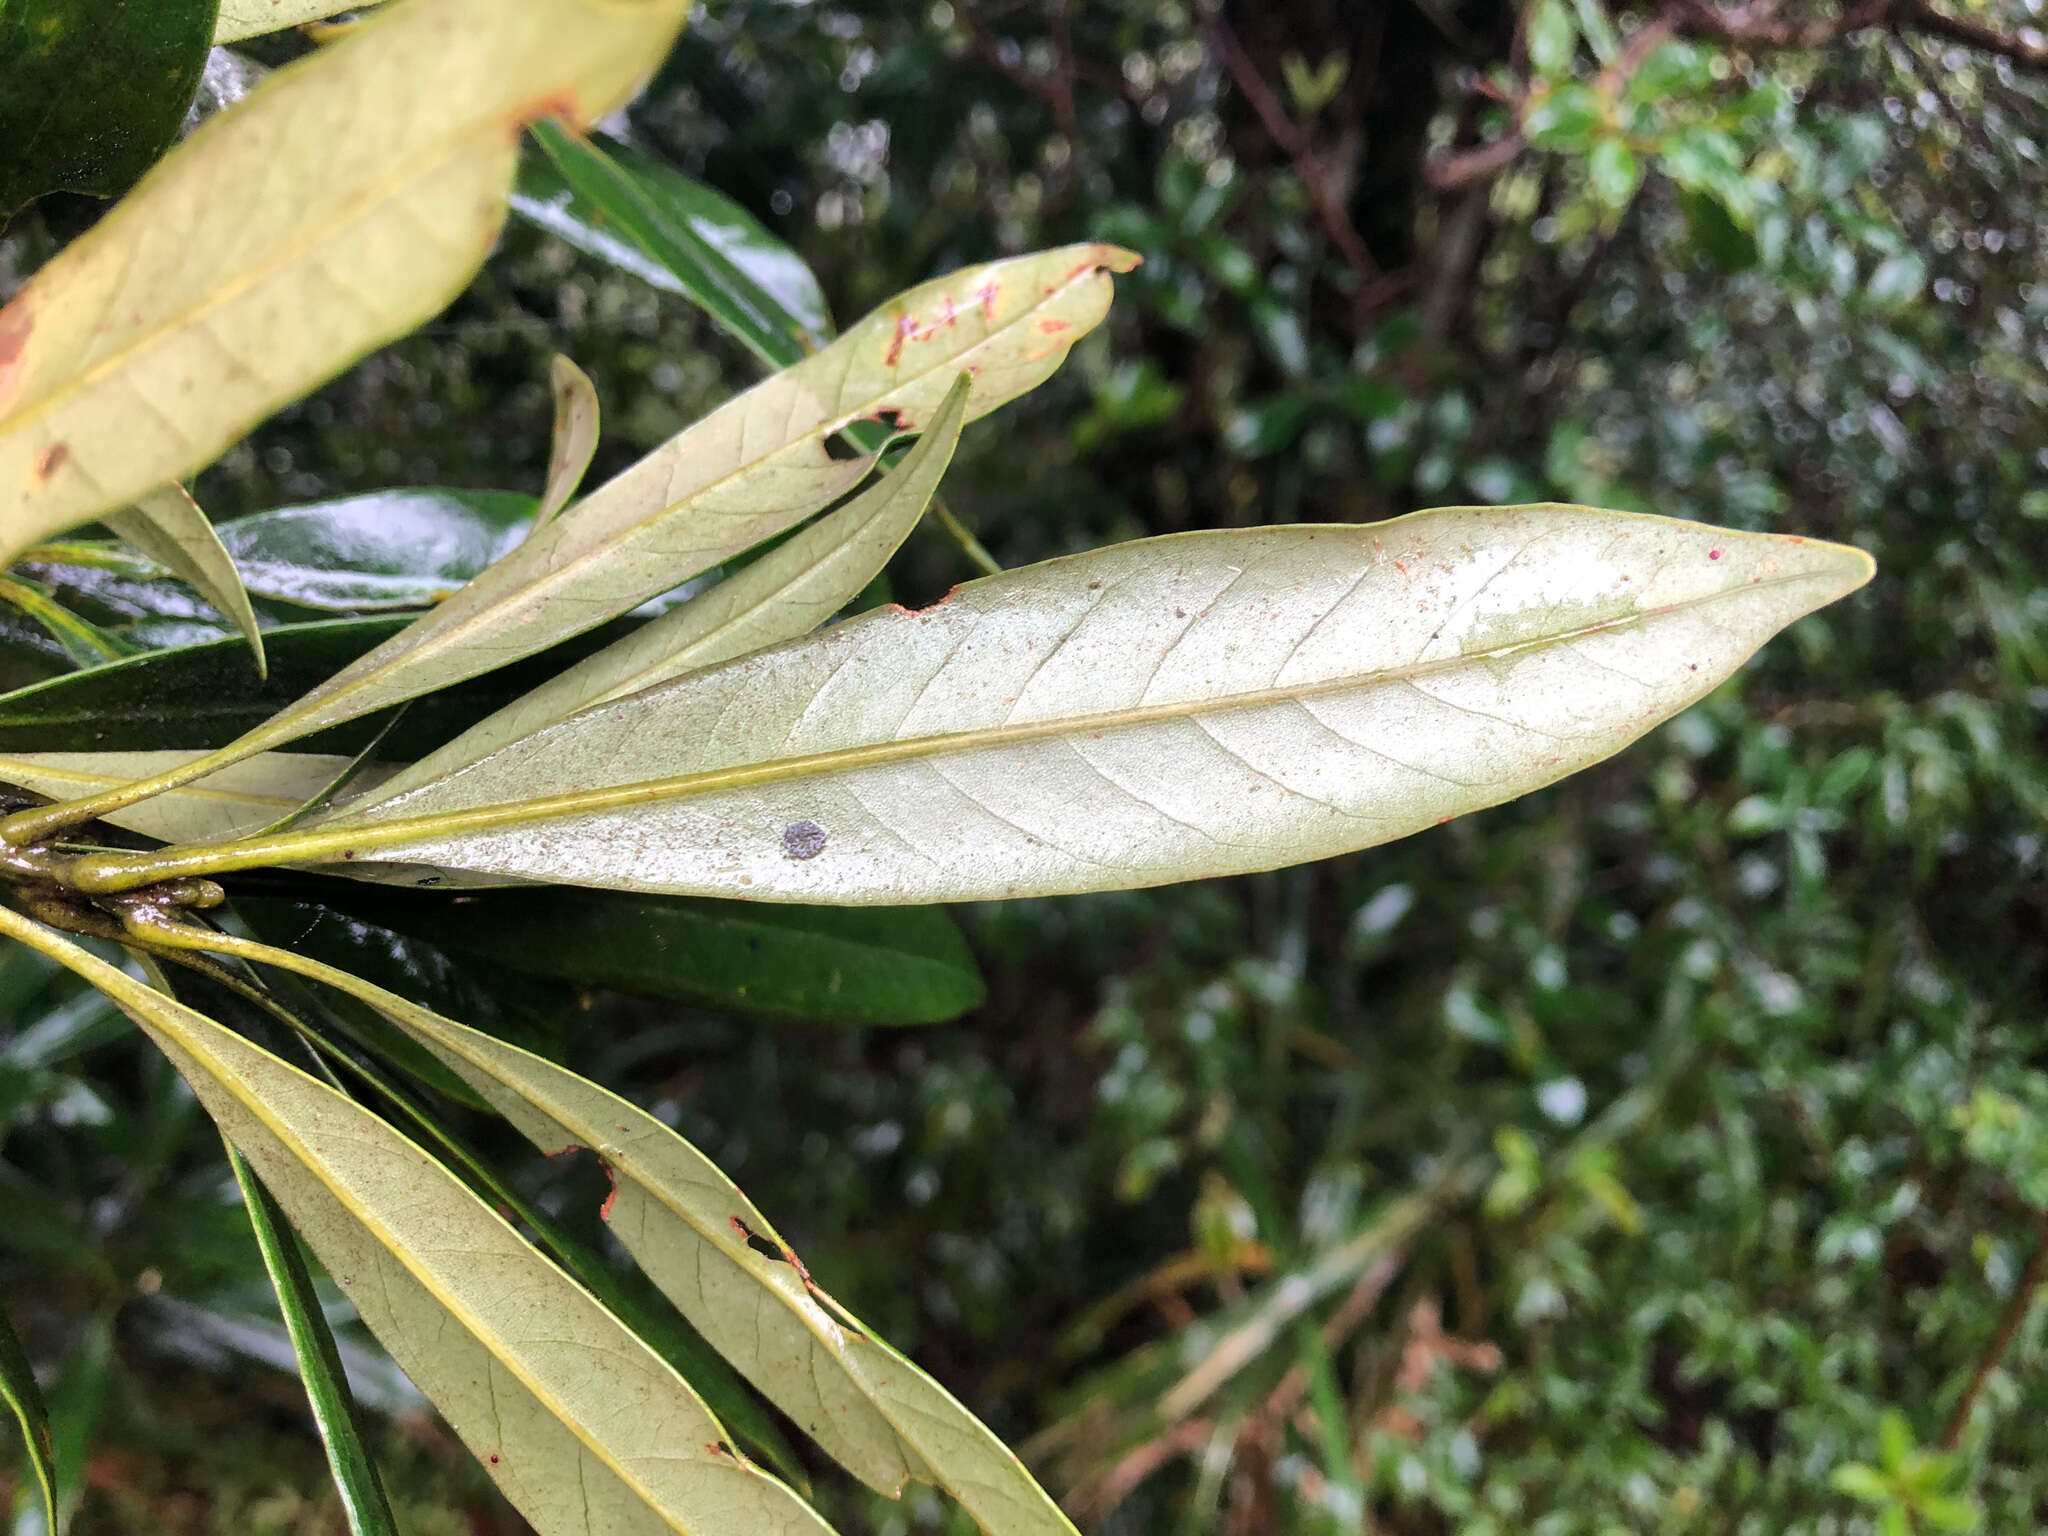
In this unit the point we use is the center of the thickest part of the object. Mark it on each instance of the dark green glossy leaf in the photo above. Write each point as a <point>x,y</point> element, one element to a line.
<point>387,549</point>
<point>18,1387</point>
<point>84,642</point>
<point>205,695</point>
<point>92,91</point>
<point>843,965</point>
<point>327,1392</point>
<point>658,224</point>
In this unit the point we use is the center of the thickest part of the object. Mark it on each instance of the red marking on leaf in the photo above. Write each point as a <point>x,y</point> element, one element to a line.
<point>604,1212</point>
<point>1052,326</point>
<point>1713,554</point>
<point>905,329</point>
<point>16,321</point>
<point>565,1150</point>
<point>494,1458</point>
<point>50,461</point>
<point>986,293</point>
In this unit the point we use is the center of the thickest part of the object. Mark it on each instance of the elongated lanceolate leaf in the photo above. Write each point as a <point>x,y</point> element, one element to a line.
<point>656,223</point>
<point>25,1399</point>
<point>787,592</point>
<point>168,526</point>
<point>746,472</point>
<point>575,441</point>
<point>1201,704</point>
<point>349,197</point>
<point>695,1235</point>
<point>327,1392</point>
<point>587,1432</point>
<point>236,802</point>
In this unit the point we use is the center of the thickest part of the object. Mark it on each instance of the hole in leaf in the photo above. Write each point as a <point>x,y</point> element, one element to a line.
<point>760,1244</point>
<point>839,448</point>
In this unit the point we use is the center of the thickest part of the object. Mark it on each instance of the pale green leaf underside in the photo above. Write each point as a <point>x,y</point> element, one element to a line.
<point>575,440</point>
<point>686,1225</point>
<point>236,802</point>
<point>786,593</point>
<point>348,197</point>
<point>1195,705</point>
<point>168,526</point>
<point>586,1430</point>
<point>748,471</point>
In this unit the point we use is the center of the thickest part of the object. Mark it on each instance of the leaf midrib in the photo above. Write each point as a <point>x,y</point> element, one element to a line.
<point>361,834</point>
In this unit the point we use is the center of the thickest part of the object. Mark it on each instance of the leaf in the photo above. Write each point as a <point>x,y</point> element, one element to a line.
<point>168,526</point>
<point>575,442</point>
<point>386,549</point>
<point>757,466</point>
<point>1195,705</point>
<point>787,592</point>
<point>25,1398</point>
<point>583,1428</point>
<point>202,695</point>
<point>91,93</point>
<point>656,223</point>
<point>236,802</point>
<point>84,642</point>
<point>702,1242</point>
<point>840,965</point>
<point>320,1368</point>
<point>241,19</point>
<point>344,201</point>
<point>743,474</point>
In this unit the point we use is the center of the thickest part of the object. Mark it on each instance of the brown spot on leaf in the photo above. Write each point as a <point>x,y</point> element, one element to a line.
<point>50,460</point>
<point>1052,326</point>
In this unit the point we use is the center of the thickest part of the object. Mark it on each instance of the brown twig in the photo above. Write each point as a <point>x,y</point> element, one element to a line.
<point>2016,1309</point>
<point>1349,1317</point>
<point>1285,132</point>
<point>1089,1504</point>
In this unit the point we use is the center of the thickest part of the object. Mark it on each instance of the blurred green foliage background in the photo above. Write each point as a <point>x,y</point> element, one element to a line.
<point>1665,1152</point>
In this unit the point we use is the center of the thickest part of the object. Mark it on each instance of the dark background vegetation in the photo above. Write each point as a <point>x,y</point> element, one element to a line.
<point>1633,1158</point>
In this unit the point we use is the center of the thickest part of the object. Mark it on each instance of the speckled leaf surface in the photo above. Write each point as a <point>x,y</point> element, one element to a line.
<point>1194,705</point>
<point>92,91</point>
<point>787,592</point>
<point>586,1431</point>
<point>346,199</point>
